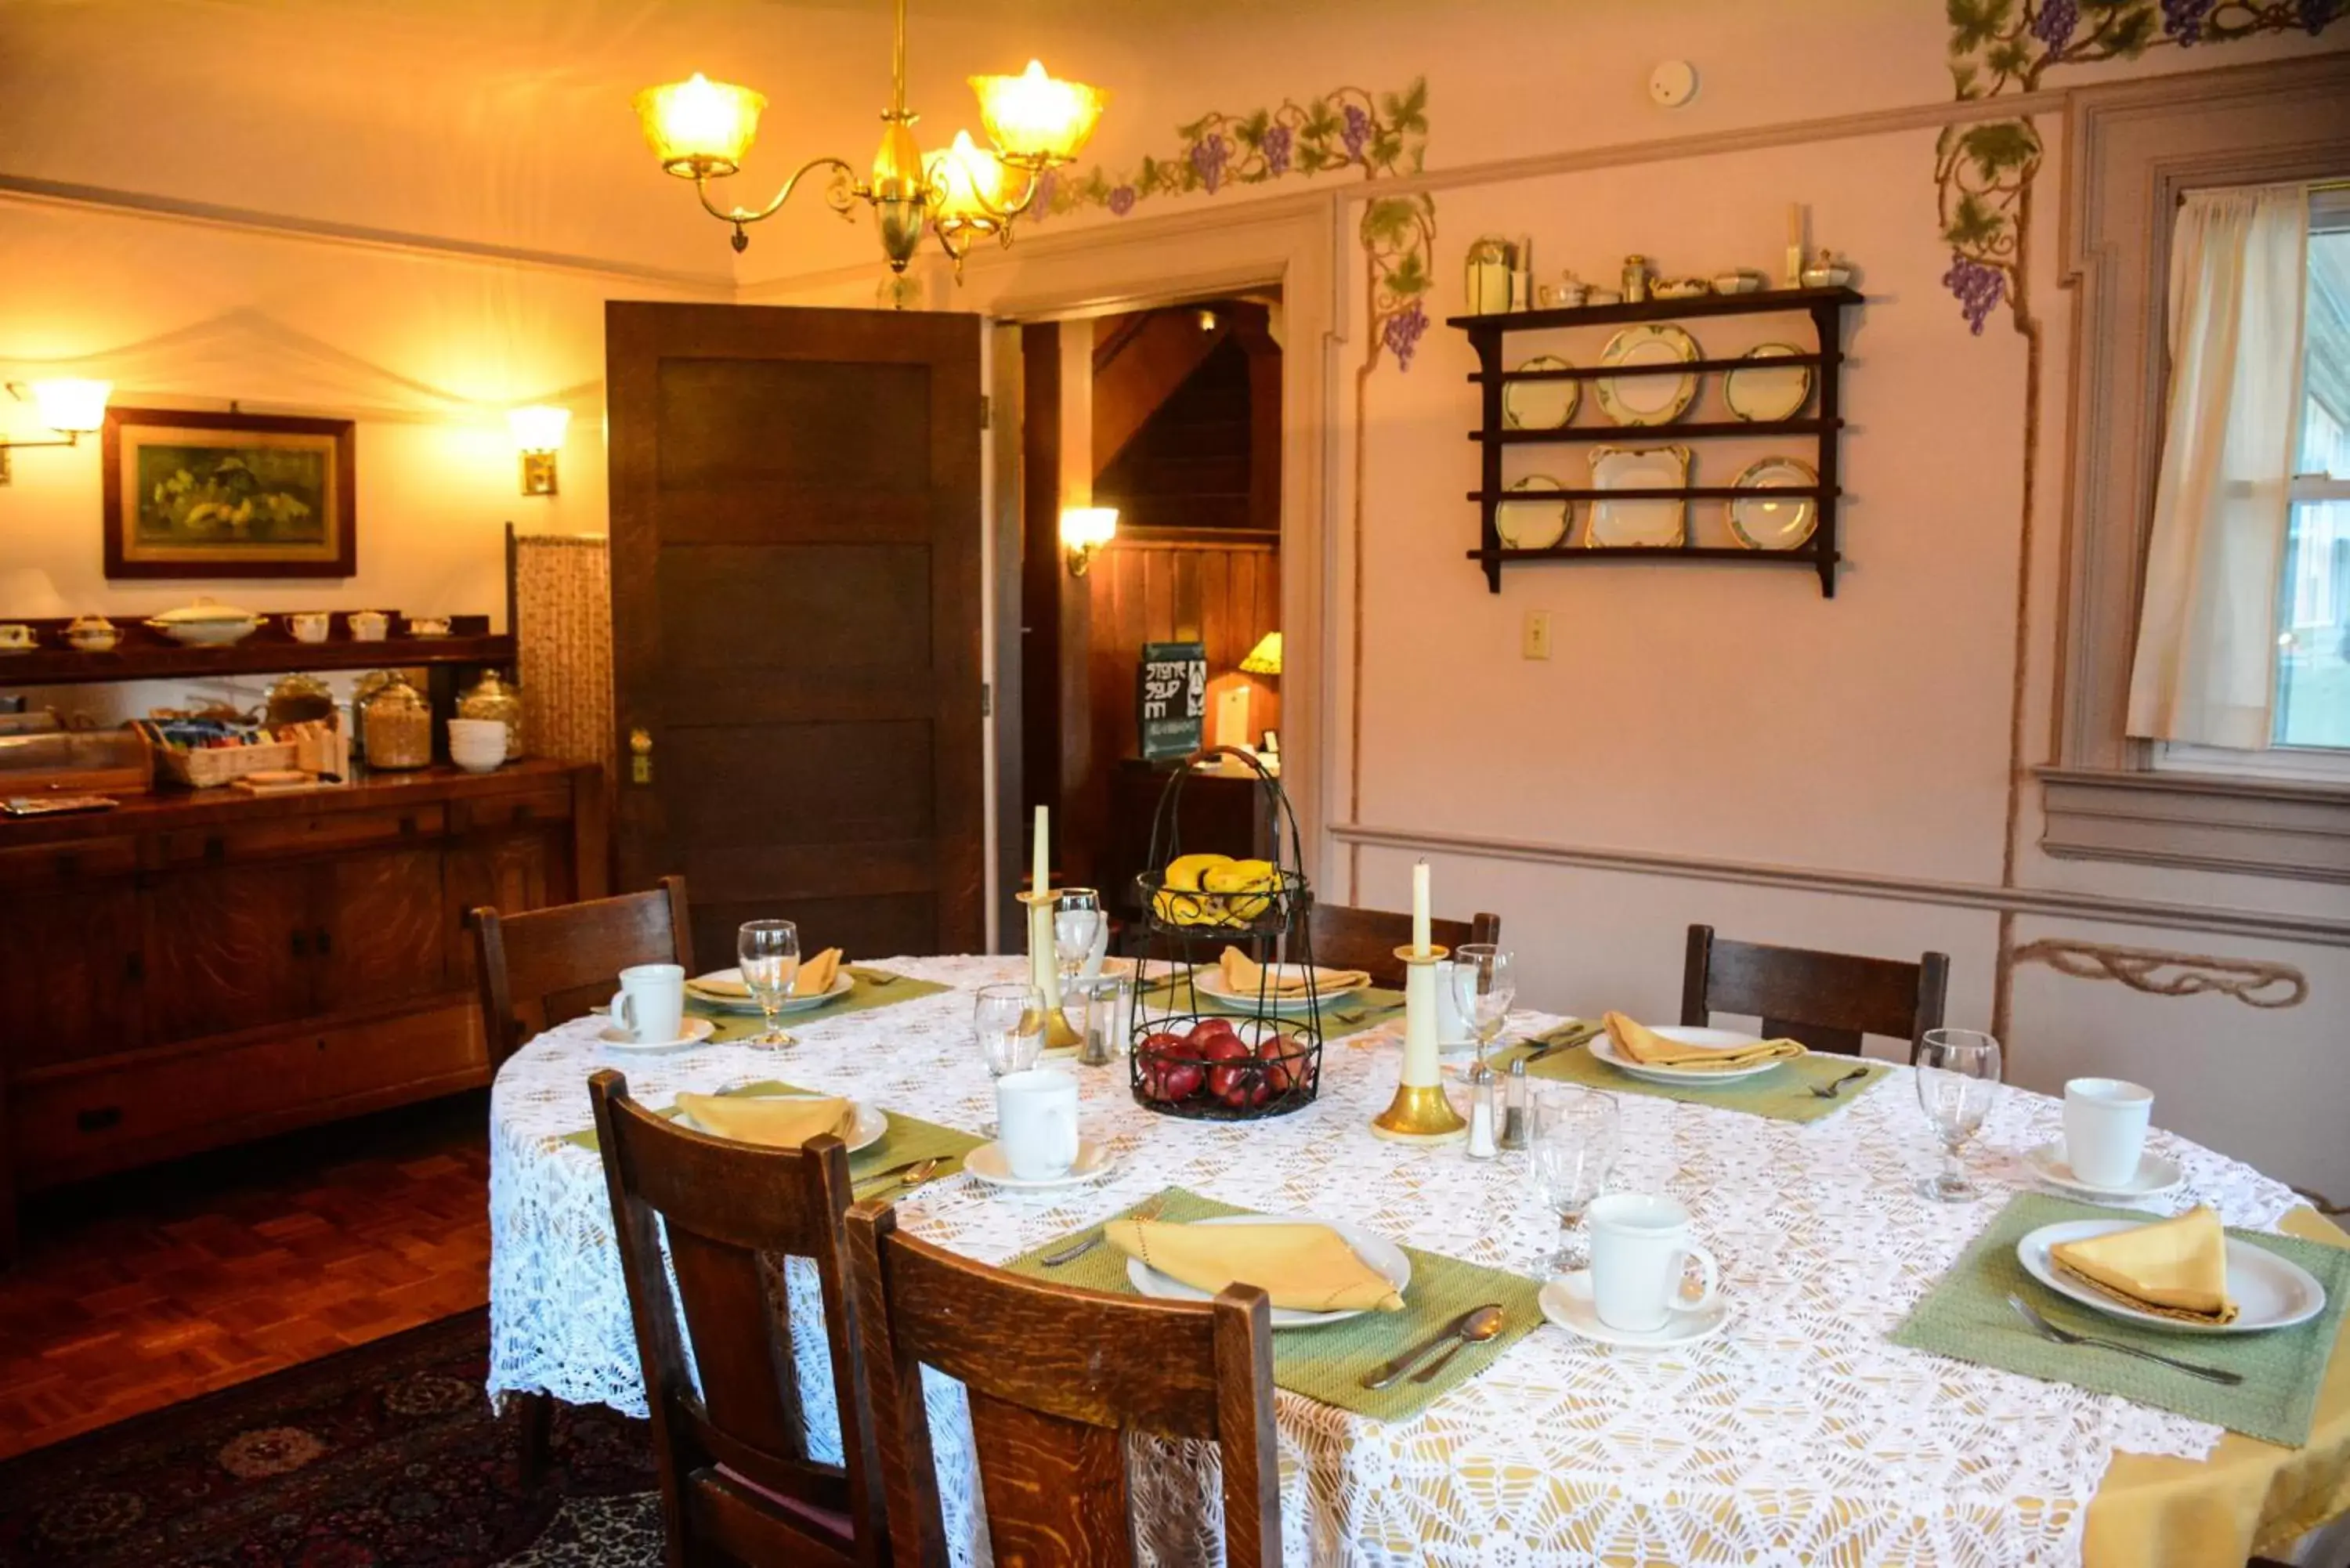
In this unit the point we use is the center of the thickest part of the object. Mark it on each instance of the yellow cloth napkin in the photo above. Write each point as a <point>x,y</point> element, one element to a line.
<point>1650,1049</point>
<point>814,978</point>
<point>1244,976</point>
<point>777,1123</point>
<point>1305,1267</point>
<point>2172,1268</point>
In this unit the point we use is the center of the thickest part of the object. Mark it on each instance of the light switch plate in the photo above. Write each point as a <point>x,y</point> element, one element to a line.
<point>1535,643</point>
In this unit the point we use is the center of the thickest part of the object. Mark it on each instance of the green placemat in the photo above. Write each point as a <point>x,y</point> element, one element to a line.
<point>1348,1014</point>
<point>1328,1364</point>
<point>1784,1094</point>
<point>863,997</point>
<point>908,1137</point>
<point>1966,1316</point>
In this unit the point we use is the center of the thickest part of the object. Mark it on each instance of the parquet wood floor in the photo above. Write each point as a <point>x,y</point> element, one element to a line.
<point>160,1284</point>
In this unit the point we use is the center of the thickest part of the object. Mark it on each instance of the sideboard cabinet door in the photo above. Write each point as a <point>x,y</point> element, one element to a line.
<point>228,948</point>
<point>380,937</point>
<point>74,975</point>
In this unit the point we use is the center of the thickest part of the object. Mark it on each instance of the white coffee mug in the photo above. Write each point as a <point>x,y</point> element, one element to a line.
<point>2105,1130</point>
<point>1640,1246</point>
<point>1037,1123</point>
<point>650,1006</point>
<point>308,625</point>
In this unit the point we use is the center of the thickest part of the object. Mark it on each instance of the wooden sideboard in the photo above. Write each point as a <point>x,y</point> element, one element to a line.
<point>190,970</point>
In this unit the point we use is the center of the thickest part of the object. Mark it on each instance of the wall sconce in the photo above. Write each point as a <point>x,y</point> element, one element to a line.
<point>70,406</point>
<point>538,436</point>
<point>1084,531</point>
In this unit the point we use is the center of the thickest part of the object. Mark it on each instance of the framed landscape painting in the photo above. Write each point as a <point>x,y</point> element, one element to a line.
<point>228,495</point>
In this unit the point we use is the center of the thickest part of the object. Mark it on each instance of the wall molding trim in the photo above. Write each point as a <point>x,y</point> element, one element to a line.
<point>2265,828</point>
<point>2217,919</point>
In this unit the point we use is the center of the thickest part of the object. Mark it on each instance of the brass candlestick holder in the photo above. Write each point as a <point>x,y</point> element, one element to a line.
<point>1420,1113</point>
<point>1044,968</point>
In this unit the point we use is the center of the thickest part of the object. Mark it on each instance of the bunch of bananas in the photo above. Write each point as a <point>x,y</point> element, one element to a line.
<point>1215,890</point>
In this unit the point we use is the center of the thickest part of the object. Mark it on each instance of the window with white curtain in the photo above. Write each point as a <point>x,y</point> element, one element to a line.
<point>2309,728</point>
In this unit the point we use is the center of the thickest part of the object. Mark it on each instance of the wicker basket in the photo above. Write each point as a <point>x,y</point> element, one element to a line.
<point>204,767</point>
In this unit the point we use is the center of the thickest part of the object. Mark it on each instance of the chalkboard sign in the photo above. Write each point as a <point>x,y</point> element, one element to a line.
<point>1170,699</point>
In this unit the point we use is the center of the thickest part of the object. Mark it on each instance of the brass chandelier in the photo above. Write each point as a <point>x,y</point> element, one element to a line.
<point>702,130</point>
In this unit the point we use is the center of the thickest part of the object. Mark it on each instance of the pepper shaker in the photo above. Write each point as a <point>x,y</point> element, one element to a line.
<point>1514,1108</point>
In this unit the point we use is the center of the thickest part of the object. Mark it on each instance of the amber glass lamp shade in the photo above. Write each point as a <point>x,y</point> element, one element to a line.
<point>699,128</point>
<point>1037,121</point>
<point>966,189</point>
<point>1264,658</point>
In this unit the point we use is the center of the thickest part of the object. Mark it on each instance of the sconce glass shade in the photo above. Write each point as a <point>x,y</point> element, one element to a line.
<point>967,187</point>
<point>1088,528</point>
<point>1037,121</point>
<point>539,427</point>
<point>699,128</point>
<point>71,405</point>
<point>1264,658</point>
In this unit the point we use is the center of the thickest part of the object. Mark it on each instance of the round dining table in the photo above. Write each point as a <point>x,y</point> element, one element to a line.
<point>1798,1435</point>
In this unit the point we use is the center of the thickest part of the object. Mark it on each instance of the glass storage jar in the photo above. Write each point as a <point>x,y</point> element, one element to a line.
<point>396,725</point>
<point>298,698</point>
<point>491,698</point>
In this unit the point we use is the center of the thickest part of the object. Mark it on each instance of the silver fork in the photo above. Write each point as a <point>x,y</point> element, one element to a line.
<point>2066,1337</point>
<point>1830,1091</point>
<point>1070,1254</point>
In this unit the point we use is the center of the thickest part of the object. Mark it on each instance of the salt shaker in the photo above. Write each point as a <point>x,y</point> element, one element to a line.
<point>1481,1084</point>
<point>1515,1108</point>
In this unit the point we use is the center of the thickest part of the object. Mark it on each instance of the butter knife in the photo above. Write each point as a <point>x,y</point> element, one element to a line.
<point>1565,1039</point>
<point>1394,1370</point>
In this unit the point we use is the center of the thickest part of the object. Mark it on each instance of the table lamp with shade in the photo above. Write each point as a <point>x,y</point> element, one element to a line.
<point>1264,658</point>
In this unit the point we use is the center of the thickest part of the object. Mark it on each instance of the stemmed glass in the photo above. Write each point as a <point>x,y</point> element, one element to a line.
<point>769,951</point>
<point>1077,925</point>
<point>1010,1019</point>
<point>1574,1150</point>
<point>1958,1070</point>
<point>1484,984</point>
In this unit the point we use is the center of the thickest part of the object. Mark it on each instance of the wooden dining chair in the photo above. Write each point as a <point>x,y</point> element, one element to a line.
<point>542,967</point>
<point>737,1484</point>
<point>1827,1001</point>
<point>1057,1377</point>
<point>1367,939</point>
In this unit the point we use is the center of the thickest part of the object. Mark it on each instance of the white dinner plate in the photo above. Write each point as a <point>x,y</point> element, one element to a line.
<point>697,1030</point>
<point>2156,1175</point>
<point>843,982</point>
<point>1603,1046</point>
<point>988,1163</point>
<point>1540,405</point>
<point>1773,522</point>
<point>1567,1302</point>
<point>863,1133</point>
<point>1649,522</point>
<point>2269,1291</point>
<point>1768,392</point>
<point>1650,400</point>
<point>1383,1255</point>
<point>1539,521</point>
<point>1211,984</point>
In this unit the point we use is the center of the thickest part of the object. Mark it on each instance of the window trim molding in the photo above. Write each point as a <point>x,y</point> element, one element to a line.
<point>2132,149</point>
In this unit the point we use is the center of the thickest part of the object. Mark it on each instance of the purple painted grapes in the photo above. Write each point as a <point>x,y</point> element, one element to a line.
<point>1980,289</point>
<point>1278,140</point>
<point>2314,15</point>
<point>2183,19</point>
<point>1356,131</point>
<point>1208,155</point>
<point>2054,26</point>
<point>1403,331</point>
<point>1121,200</point>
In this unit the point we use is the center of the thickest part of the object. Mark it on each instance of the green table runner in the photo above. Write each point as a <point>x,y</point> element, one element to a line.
<point>1328,1364</point>
<point>1966,1316</point>
<point>1784,1094</point>
<point>1340,1016</point>
<point>908,1137</point>
<point>874,988</point>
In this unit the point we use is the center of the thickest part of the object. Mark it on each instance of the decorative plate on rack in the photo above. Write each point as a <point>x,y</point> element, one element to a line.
<point>1768,392</point>
<point>1651,400</point>
<point>1777,522</point>
<point>1644,523</point>
<point>1540,405</point>
<point>1533,525</point>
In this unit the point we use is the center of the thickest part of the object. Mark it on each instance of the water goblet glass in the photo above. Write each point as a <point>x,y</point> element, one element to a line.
<point>1958,1077</point>
<point>1484,984</point>
<point>769,953</point>
<point>1574,1150</point>
<point>1077,921</point>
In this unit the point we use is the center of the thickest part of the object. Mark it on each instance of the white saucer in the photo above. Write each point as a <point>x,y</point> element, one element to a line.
<point>1567,1302</point>
<point>2156,1175</point>
<point>2269,1291</point>
<point>697,1030</point>
<point>1603,1049</point>
<point>987,1163</point>
<point>1284,1003</point>
<point>1383,1255</point>
<point>865,1129</point>
<point>843,982</point>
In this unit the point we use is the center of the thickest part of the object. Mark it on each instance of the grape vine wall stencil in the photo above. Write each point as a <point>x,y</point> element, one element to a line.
<point>1987,173</point>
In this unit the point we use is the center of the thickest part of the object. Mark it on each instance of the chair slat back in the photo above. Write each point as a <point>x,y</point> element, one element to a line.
<point>730,1214</point>
<point>1827,1001</point>
<point>1347,938</point>
<point>1055,1377</point>
<point>544,966</point>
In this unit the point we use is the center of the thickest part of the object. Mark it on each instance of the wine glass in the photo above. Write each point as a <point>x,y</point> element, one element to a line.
<point>1077,925</point>
<point>1574,1150</point>
<point>1958,1070</point>
<point>1010,1019</point>
<point>769,951</point>
<point>1484,984</point>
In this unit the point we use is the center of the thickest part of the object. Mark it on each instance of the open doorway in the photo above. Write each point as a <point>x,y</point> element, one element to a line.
<point>1173,416</point>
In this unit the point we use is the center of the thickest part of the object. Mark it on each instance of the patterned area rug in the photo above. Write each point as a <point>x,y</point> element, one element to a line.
<point>380,1457</point>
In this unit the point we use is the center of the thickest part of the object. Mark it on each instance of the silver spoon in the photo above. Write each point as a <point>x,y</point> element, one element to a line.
<point>2066,1337</point>
<point>1481,1326</point>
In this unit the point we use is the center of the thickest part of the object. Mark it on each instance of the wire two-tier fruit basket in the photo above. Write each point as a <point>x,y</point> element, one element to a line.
<point>1218,1038</point>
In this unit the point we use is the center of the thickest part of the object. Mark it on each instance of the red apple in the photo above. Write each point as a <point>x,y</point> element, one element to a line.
<point>1162,1042</point>
<point>1208,1031</point>
<point>1180,1079</point>
<point>1240,1086</point>
<point>1284,1061</point>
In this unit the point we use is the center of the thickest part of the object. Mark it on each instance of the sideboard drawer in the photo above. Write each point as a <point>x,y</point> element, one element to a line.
<point>314,833</point>
<point>62,864</point>
<point>489,812</point>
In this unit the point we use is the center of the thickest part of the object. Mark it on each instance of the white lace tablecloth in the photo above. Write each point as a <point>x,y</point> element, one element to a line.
<point>1798,1435</point>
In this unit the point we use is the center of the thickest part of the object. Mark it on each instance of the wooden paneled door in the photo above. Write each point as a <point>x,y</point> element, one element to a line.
<point>795,617</point>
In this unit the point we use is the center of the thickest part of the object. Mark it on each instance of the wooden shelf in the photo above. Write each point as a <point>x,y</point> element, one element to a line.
<point>1696,430</point>
<point>1761,303</point>
<point>1665,492</point>
<point>1665,367</point>
<point>146,654</point>
<point>1660,553</point>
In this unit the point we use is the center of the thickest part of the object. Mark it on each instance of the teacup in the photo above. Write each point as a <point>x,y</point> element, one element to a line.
<point>428,625</point>
<point>2105,1130</point>
<point>1640,1245</point>
<point>370,626</point>
<point>15,637</point>
<point>1037,1123</point>
<point>308,625</point>
<point>650,1006</point>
